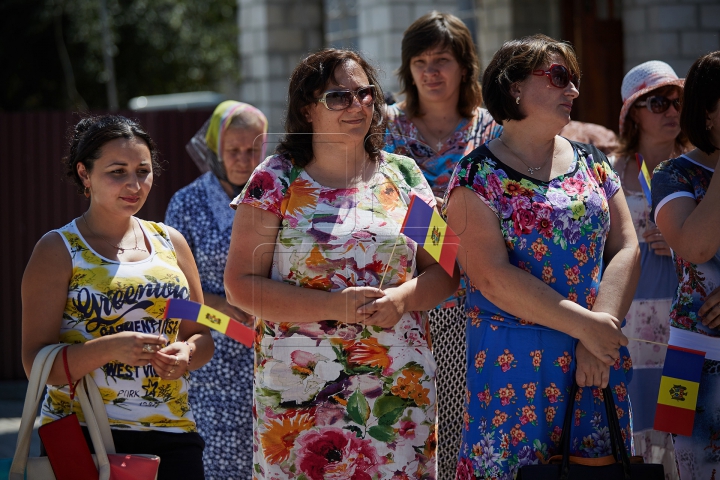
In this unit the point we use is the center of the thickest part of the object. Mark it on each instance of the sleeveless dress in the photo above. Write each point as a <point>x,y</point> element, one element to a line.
<point>520,374</point>
<point>337,400</point>
<point>698,456</point>
<point>647,319</point>
<point>106,297</point>
<point>221,393</point>
<point>447,321</point>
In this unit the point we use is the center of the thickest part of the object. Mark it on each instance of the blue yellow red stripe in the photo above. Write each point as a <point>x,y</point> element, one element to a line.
<point>424,225</point>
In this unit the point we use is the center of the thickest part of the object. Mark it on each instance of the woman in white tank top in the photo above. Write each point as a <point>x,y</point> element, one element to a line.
<point>101,283</point>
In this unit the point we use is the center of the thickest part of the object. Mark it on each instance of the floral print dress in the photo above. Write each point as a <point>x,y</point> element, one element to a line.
<point>337,400</point>
<point>520,374</point>
<point>698,456</point>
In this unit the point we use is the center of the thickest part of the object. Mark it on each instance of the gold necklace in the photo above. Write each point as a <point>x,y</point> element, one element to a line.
<point>531,170</point>
<point>120,249</point>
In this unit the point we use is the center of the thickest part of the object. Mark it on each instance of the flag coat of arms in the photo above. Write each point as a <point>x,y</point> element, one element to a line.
<point>215,319</point>
<point>424,225</point>
<point>679,385</point>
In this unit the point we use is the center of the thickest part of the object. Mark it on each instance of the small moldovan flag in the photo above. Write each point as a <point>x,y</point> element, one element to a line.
<point>677,399</point>
<point>644,178</point>
<point>197,312</point>
<point>424,225</point>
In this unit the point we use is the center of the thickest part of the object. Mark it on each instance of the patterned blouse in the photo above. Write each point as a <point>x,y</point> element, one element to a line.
<point>675,178</point>
<point>403,138</point>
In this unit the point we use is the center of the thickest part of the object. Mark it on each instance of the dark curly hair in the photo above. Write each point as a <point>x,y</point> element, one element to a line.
<point>87,138</point>
<point>313,75</point>
<point>700,97</point>
<point>441,30</point>
<point>513,63</point>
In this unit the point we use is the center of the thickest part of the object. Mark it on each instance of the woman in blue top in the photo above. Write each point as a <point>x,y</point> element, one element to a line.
<point>437,123</point>
<point>549,249</point>
<point>230,145</point>
<point>685,207</point>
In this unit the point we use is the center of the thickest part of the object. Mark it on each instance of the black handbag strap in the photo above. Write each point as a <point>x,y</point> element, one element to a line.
<point>616,440</point>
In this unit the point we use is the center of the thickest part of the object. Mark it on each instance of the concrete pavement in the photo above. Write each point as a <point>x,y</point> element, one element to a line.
<point>12,398</point>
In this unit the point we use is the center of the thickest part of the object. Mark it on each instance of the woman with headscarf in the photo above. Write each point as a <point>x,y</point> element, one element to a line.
<point>649,132</point>
<point>227,148</point>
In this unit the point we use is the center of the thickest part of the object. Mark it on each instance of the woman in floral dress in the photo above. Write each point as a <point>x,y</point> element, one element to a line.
<point>686,195</point>
<point>345,378</point>
<point>649,126</point>
<point>552,259</point>
<point>439,120</point>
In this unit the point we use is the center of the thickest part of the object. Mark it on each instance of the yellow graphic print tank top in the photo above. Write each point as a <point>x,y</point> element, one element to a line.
<point>106,297</point>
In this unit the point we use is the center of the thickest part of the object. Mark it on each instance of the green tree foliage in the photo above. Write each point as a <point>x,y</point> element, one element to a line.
<point>160,46</point>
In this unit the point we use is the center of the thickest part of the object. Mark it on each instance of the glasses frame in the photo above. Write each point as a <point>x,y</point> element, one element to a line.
<point>572,78</point>
<point>323,99</point>
<point>677,104</point>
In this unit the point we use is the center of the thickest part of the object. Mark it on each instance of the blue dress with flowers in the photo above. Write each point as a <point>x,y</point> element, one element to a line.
<point>520,374</point>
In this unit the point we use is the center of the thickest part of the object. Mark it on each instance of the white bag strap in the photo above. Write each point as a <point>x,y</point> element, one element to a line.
<point>98,406</point>
<point>36,388</point>
<point>92,425</point>
<point>93,410</point>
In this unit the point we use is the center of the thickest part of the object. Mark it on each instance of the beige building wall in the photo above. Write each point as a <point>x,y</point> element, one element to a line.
<point>274,36</point>
<point>676,32</point>
<point>381,26</point>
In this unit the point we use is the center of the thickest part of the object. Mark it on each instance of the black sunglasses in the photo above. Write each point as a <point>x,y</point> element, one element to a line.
<point>659,104</point>
<point>342,99</point>
<point>559,76</point>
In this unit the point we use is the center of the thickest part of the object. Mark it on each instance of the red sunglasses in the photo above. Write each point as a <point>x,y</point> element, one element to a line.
<point>559,76</point>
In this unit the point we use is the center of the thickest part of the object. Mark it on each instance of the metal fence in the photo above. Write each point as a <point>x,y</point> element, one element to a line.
<point>35,197</point>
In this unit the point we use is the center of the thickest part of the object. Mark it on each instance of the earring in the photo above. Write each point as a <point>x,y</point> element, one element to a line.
<point>709,127</point>
<point>517,101</point>
<point>87,192</point>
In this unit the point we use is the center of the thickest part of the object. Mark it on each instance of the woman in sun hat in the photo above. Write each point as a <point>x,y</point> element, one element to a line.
<point>649,130</point>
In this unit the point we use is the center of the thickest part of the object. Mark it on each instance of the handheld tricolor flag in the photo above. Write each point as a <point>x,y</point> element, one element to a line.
<point>644,178</point>
<point>197,312</point>
<point>677,399</point>
<point>424,225</point>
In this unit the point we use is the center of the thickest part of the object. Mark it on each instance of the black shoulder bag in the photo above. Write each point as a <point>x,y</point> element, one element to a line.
<point>617,466</point>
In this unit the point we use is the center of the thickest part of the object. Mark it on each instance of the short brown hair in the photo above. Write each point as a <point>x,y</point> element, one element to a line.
<point>513,63</point>
<point>630,138</point>
<point>312,75</point>
<point>445,31</point>
<point>700,97</point>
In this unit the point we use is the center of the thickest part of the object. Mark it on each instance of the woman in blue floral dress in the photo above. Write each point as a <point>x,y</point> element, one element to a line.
<point>551,256</point>
<point>686,196</point>
<point>227,148</point>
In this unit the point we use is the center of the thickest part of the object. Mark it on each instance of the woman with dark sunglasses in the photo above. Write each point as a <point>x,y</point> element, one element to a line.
<point>649,132</point>
<point>345,378</point>
<point>686,208</point>
<point>551,258</point>
<point>438,122</point>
